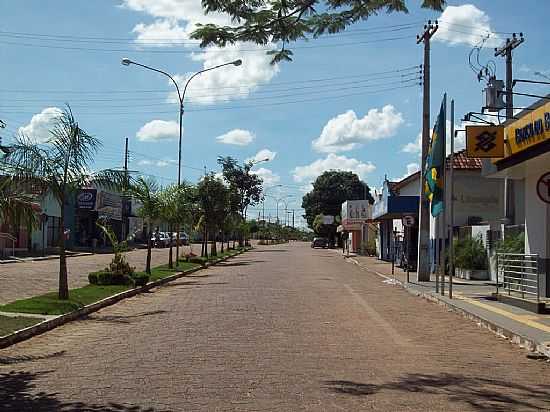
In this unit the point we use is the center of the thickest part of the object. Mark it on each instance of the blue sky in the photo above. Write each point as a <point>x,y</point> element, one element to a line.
<point>341,104</point>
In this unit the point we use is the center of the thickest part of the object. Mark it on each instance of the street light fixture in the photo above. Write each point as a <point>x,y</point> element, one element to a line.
<point>181,96</point>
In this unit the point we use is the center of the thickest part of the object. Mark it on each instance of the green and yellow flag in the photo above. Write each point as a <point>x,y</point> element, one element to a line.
<point>435,163</point>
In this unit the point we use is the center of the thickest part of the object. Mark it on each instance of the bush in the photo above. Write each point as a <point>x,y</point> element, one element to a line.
<point>140,279</point>
<point>106,277</point>
<point>471,254</point>
<point>197,260</point>
<point>512,243</point>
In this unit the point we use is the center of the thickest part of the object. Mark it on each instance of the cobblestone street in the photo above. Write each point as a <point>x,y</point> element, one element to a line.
<point>280,328</point>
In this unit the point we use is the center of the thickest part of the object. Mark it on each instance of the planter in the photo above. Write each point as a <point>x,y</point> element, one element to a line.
<point>472,274</point>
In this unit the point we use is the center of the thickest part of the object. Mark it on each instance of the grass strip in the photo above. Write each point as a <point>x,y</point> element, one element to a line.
<point>9,324</point>
<point>163,271</point>
<point>49,304</point>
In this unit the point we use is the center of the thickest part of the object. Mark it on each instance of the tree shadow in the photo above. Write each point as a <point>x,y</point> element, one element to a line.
<point>123,318</point>
<point>10,360</point>
<point>483,394</point>
<point>270,250</point>
<point>18,393</point>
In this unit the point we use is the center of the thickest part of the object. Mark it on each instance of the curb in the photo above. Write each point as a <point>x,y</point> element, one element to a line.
<point>42,258</point>
<point>515,338</point>
<point>46,325</point>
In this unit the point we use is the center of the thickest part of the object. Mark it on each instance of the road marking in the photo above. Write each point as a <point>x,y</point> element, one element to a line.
<point>525,319</point>
<point>390,330</point>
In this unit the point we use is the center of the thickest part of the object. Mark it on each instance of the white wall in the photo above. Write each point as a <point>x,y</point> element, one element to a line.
<point>51,207</point>
<point>537,215</point>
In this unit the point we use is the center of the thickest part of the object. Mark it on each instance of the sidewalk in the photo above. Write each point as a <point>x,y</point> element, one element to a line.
<point>473,300</point>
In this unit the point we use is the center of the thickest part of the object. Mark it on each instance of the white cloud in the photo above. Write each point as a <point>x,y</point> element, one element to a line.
<point>175,20</point>
<point>345,131</point>
<point>460,142</point>
<point>411,168</point>
<point>414,147</point>
<point>157,163</point>
<point>332,162</point>
<point>267,176</point>
<point>465,24</point>
<point>157,130</point>
<point>237,137</point>
<point>162,33</point>
<point>40,125</point>
<point>262,155</point>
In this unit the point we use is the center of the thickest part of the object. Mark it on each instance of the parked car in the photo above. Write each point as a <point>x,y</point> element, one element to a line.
<point>163,239</point>
<point>319,242</point>
<point>184,238</point>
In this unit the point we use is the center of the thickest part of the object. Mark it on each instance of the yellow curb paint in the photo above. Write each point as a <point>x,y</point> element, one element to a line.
<point>525,319</point>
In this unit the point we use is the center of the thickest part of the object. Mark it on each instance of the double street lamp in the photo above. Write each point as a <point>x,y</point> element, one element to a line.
<point>181,97</point>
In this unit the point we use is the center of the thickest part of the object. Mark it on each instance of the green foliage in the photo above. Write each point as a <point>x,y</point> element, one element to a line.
<point>140,279</point>
<point>16,206</point>
<point>10,324</point>
<point>471,254</point>
<point>370,250</point>
<point>119,270</point>
<point>285,21</point>
<point>512,243</point>
<point>106,277</point>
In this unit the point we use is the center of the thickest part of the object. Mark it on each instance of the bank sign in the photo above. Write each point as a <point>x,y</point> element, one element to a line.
<point>530,130</point>
<point>85,199</point>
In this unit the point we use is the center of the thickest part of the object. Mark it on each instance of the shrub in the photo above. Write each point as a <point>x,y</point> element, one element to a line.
<point>470,254</point>
<point>140,279</point>
<point>197,260</point>
<point>106,277</point>
<point>512,243</point>
<point>92,278</point>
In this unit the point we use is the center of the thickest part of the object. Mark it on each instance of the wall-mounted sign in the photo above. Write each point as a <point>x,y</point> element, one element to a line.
<point>485,141</point>
<point>408,220</point>
<point>109,205</point>
<point>356,211</point>
<point>85,199</point>
<point>543,188</point>
<point>531,129</point>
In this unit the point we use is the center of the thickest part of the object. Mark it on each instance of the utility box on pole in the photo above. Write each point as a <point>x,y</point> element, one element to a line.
<point>494,96</point>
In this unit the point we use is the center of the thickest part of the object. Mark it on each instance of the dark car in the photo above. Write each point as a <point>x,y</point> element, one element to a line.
<point>319,242</point>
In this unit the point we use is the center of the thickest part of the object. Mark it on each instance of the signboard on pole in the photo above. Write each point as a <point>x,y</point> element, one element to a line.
<point>485,141</point>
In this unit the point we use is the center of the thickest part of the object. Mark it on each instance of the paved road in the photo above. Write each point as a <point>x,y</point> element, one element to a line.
<point>25,279</point>
<point>282,328</point>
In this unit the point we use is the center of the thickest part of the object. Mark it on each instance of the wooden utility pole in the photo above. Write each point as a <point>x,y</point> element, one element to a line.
<point>125,198</point>
<point>423,263</point>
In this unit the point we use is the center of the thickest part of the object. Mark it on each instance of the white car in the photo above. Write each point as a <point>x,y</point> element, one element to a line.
<point>163,239</point>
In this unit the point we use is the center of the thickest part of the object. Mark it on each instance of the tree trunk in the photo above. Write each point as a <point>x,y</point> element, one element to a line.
<point>63,281</point>
<point>213,250</point>
<point>148,261</point>
<point>206,243</point>
<point>223,239</point>
<point>170,258</point>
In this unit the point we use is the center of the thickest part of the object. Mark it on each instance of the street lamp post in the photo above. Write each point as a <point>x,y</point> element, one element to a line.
<point>181,97</point>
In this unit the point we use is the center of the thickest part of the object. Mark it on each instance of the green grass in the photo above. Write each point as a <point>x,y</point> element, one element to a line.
<point>10,324</point>
<point>49,304</point>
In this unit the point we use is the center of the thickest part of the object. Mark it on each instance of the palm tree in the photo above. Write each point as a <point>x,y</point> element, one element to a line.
<point>146,192</point>
<point>174,210</point>
<point>61,166</point>
<point>16,206</point>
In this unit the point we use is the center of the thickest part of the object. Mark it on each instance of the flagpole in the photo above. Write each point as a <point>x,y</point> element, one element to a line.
<point>451,205</point>
<point>443,227</point>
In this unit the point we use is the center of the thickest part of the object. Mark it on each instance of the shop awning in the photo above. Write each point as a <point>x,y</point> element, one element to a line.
<point>395,207</point>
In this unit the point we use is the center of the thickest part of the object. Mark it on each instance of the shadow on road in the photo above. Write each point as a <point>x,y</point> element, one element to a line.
<point>18,393</point>
<point>124,319</point>
<point>241,263</point>
<point>482,394</point>
<point>10,360</point>
<point>269,250</point>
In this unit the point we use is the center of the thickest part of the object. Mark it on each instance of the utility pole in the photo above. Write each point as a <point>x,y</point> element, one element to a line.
<point>506,52</point>
<point>293,219</point>
<point>423,264</point>
<point>124,197</point>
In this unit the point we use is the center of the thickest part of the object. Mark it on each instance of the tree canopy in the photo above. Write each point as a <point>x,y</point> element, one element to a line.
<point>285,21</point>
<point>330,190</point>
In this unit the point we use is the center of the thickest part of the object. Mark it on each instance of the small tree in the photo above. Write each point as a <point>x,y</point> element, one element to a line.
<point>213,198</point>
<point>145,191</point>
<point>17,207</point>
<point>61,166</point>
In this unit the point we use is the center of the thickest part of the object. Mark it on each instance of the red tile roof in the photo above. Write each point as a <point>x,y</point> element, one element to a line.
<point>461,161</point>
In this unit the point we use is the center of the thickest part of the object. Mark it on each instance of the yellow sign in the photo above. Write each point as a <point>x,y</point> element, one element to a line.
<point>532,129</point>
<point>485,141</point>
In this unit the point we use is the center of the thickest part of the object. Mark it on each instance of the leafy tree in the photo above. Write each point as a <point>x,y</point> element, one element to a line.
<point>213,199</point>
<point>146,192</point>
<point>61,166</point>
<point>285,21</point>
<point>174,204</point>
<point>330,190</point>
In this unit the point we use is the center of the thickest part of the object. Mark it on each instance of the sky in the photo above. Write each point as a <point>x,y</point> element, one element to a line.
<point>350,101</point>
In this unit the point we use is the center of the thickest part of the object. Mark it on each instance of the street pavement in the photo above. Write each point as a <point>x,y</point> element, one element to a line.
<point>26,279</point>
<point>280,328</point>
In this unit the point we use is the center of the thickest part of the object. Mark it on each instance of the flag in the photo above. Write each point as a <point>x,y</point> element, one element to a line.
<point>435,163</point>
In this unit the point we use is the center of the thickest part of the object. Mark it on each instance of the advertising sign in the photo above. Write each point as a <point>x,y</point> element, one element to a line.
<point>485,141</point>
<point>109,205</point>
<point>408,220</point>
<point>328,220</point>
<point>85,199</point>
<point>531,129</point>
<point>356,211</point>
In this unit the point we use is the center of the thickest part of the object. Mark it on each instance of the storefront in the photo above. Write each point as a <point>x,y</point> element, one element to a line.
<point>356,215</point>
<point>527,163</point>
